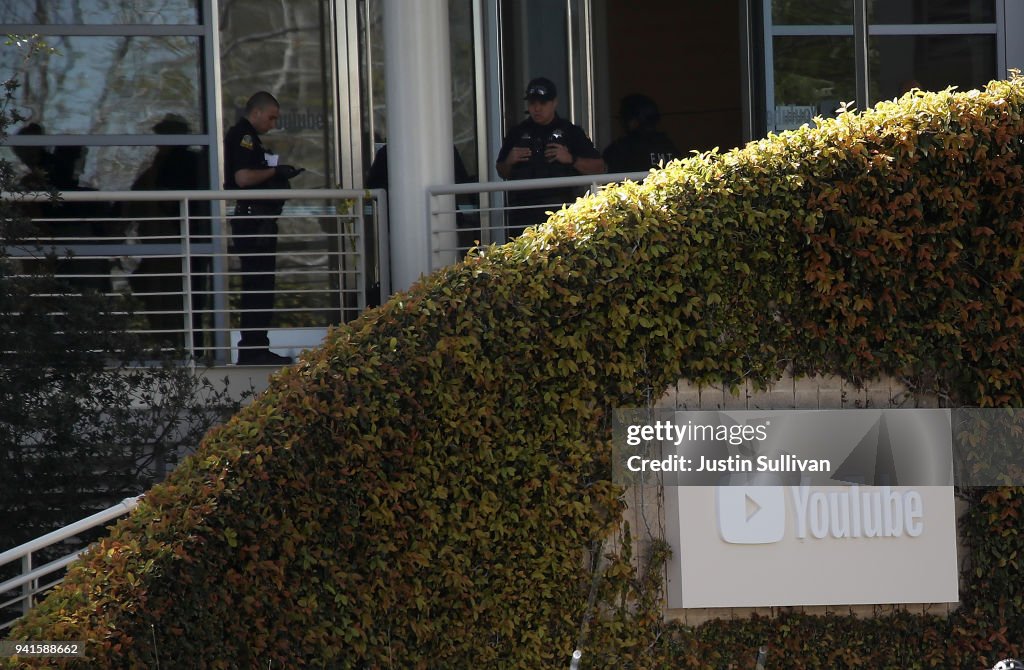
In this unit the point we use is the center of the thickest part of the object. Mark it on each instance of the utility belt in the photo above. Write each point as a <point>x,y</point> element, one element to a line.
<point>259,207</point>
<point>541,169</point>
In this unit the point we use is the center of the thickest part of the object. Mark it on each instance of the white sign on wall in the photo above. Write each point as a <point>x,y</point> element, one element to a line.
<point>763,546</point>
<point>791,117</point>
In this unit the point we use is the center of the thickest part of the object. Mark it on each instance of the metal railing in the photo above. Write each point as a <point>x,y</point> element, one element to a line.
<point>33,581</point>
<point>466,215</point>
<point>172,254</point>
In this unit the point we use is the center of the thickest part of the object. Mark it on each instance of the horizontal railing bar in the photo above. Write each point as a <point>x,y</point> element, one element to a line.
<point>202,195</point>
<point>41,571</point>
<point>35,592</point>
<point>120,509</point>
<point>529,184</point>
<point>144,250</point>
<point>31,594</point>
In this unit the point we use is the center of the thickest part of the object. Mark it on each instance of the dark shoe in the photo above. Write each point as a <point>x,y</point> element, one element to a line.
<point>262,357</point>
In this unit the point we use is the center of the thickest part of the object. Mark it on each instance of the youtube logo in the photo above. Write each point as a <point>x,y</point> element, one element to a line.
<point>751,514</point>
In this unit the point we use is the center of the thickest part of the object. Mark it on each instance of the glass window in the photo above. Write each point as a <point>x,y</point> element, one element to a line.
<point>93,85</point>
<point>930,62</point>
<point>373,79</point>
<point>813,75</point>
<point>463,67</point>
<point>100,12</point>
<point>812,12</point>
<point>812,72</point>
<point>931,11</point>
<point>535,41</point>
<point>283,48</point>
<point>109,168</point>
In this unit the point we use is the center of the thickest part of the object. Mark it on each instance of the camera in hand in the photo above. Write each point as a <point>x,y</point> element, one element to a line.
<point>534,144</point>
<point>538,145</point>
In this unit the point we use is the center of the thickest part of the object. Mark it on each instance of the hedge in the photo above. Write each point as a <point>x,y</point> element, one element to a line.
<point>430,488</point>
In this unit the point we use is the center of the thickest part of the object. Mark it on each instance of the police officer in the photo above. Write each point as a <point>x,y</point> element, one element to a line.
<point>544,146</point>
<point>247,165</point>
<point>643,146</point>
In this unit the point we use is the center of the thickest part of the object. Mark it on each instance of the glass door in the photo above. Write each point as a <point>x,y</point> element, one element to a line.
<point>541,38</point>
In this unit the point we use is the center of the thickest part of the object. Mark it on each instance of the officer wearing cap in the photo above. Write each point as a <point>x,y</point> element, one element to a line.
<point>544,146</point>
<point>247,165</point>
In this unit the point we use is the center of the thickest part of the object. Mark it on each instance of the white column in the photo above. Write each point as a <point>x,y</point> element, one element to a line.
<point>419,134</point>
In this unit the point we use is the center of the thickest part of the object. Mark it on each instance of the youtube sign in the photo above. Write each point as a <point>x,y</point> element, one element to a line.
<point>768,546</point>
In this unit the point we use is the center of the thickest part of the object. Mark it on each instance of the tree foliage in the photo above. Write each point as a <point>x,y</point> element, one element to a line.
<point>88,416</point>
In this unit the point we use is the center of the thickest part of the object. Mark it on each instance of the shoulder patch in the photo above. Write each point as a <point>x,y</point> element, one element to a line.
<point>246,142</point>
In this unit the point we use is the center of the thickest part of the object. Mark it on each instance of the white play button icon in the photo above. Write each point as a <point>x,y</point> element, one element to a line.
<point>751,514</point>
<point>752,507</point>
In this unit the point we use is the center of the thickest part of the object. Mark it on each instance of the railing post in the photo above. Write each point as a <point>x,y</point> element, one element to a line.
<point>28,588</point>
<point>361,256</point>
<point>219,281</point>
<point>186,276</point>
<point>381,232</point>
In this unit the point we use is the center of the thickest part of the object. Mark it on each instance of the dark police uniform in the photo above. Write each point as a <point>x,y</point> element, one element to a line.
<point>254,234</point>
<point>640,149</point>
<point>537,137</point>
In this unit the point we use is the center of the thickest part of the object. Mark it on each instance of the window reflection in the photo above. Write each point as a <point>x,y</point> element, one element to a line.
<point>930,62</point>
<point>812,12</point>
<point>931,11</point>
<point>535,45</point>
<point>281,48</point>
<point>105,168</point>
<point>813,75</point>
<point>463,68</point>
<point>100,12</point>
<point>108,85</point>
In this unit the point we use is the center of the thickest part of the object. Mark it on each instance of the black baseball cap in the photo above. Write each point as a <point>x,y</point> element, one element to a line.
<point>541,88</point>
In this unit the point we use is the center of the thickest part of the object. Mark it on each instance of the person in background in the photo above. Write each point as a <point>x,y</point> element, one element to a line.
<point>468,224</point>
<point>67,227</point>
<point>38,160</point>
<point>544,146</point>
<point>643,146</point>
<point>157,279</point>
<point>247,166</point>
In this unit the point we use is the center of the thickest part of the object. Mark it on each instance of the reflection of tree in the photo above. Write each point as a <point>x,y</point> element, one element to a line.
<point>121,52</point>
<point>107,84</point>
<point>246,39</point>
<point>273,46</point>
<point>811,69</point>
<point>375,72</point>
<point>812,12</point>
<point>288,60</point>
<point>46,12</point>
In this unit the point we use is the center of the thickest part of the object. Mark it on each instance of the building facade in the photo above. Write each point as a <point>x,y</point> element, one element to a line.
<point>123,77</point>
